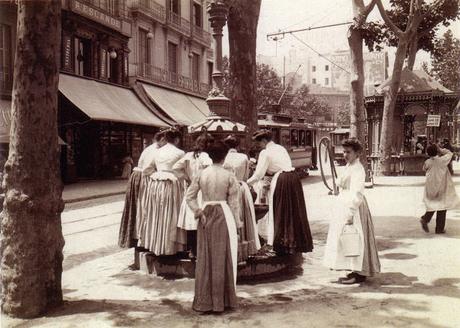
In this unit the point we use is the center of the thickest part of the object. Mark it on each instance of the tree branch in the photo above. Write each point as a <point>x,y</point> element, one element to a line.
<point>369,8</point>
<point>396,30</point>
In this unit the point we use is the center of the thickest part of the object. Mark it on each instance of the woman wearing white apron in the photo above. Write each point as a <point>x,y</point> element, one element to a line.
<point>127,236</point>
<point>287,228</point>
<point>215,272</point>
<point>238,163</point>
<point>159,233</point>
<point>187,168</point>
<point>352,212</point>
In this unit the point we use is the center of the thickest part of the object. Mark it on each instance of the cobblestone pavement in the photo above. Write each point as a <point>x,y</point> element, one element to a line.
<point>419,285</point>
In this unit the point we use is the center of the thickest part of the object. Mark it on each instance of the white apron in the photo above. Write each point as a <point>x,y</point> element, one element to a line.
<point>232,233</point>
<point>333,255</point>
<point>250,201</point>
<point>187,220</point>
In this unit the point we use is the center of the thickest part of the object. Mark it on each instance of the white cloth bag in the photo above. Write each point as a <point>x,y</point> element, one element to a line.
<point>350,241</point>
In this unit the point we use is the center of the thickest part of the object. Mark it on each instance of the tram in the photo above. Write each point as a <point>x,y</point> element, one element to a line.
<point>297,136</point>
<point>337,136</point>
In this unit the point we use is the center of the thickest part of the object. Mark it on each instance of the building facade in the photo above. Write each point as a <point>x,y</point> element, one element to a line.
<point>101,120</point>
<point>171,44</point>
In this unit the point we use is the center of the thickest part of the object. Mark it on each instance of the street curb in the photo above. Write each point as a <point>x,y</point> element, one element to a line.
<point>81,199</point>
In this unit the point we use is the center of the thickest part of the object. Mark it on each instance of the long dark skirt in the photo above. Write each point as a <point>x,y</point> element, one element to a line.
<point>291,229</point>
<point>126,236</point>
<point>214,284</point>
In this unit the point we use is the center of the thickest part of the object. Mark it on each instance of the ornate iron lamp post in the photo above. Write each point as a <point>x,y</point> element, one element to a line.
<point>218,123</point>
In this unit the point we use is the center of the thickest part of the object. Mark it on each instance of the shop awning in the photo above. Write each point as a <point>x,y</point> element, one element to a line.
<point>5,122</point>
<point>106,102</point>
<point>182,108</point>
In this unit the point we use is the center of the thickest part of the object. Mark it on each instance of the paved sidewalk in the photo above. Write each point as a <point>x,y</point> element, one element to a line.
<point>419,285</point>
<point>86,190</point>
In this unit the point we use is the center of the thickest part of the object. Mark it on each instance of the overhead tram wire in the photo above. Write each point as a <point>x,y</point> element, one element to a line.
<point>319,54</point>
<point>283,33</point>
<point>274,36</point>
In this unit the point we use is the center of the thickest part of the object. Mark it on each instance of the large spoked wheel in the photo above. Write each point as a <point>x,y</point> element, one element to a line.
<point>327,165</point>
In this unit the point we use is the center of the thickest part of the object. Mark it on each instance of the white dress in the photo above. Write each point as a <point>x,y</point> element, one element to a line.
<point>352,203</point>
<point>188,167</point>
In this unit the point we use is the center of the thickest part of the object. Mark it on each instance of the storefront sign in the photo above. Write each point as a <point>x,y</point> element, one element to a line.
<point>67,44</point>
<point>95,14</point>
<point>433,120</point>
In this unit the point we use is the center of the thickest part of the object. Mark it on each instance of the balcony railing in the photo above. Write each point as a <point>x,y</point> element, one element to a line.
<point>150,8</point>
<point>177,81</point>
<point>179,23</point>
<point>202,35</point>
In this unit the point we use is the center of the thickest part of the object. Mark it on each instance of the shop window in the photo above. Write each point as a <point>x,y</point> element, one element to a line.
<point>197,15</point>
<point>82,56</point>
<point>6,71</point>
<point>104,71</point>
<point>113,69</point>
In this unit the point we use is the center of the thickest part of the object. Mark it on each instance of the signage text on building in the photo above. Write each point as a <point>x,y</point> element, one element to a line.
<point>433,120</point>
<point>95,14</point>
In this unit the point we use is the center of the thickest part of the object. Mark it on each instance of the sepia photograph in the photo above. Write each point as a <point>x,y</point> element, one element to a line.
<point>230,163</point>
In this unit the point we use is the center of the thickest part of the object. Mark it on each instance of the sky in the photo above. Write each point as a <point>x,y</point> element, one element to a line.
<point>283,15</point>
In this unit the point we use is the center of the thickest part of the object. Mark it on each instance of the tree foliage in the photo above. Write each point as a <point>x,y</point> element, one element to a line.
<point>445,61</point>
<point>441,13</point>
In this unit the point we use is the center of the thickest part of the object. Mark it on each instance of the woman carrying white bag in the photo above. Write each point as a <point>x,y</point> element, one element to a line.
<point>351,242</point>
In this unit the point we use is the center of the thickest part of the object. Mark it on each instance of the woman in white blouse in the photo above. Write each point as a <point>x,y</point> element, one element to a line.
<point>158,232</point>
<point>352,210</point>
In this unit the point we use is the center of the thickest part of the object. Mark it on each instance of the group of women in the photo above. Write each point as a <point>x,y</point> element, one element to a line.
<point>201,204</point>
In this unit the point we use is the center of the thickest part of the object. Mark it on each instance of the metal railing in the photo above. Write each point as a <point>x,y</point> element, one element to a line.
<point>178,22</point>
<point>202,35</point>
<point>172,79</point>
<point>151,8</point>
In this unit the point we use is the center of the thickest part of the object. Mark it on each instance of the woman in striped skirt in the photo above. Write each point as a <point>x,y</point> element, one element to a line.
<point>158,232</point>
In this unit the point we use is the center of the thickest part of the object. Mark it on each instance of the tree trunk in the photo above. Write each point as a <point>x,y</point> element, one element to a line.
<point>242,34</point>
<point>358,121</point>
<point>390,97</point>
<point>31,232</point>
<point>412,53</point>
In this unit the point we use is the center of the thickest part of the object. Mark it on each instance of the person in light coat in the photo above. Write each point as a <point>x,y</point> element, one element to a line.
<point>440,194</point>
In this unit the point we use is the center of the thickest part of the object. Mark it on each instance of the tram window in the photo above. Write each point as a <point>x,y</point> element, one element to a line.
<point>302,138</point>
<point>308,138</point>
<point>285,138</point>
<point>276,135</point>
<point>294,138</point>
